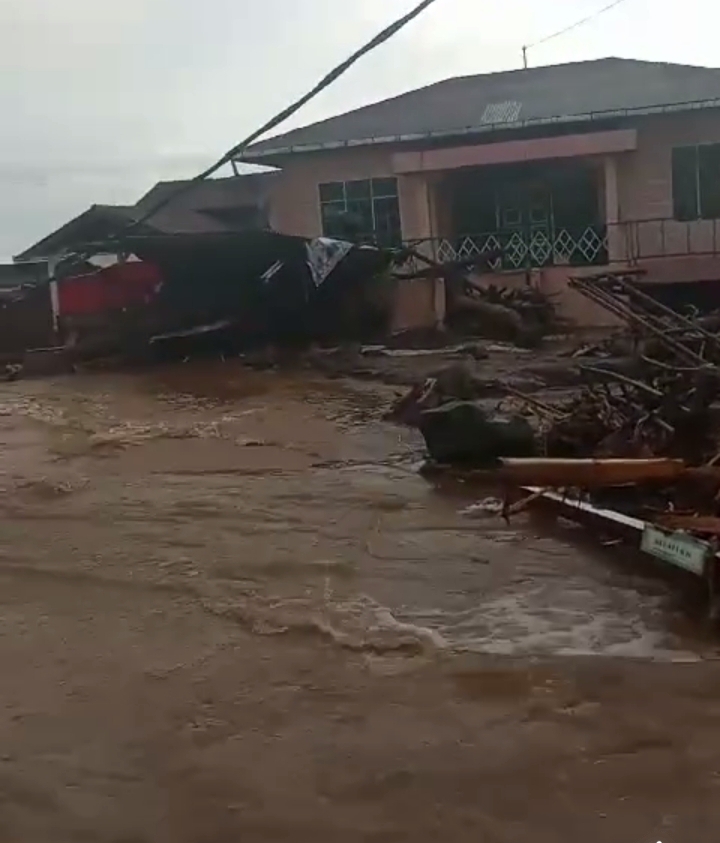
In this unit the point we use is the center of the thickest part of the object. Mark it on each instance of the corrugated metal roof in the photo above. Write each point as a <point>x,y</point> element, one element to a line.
<point>80,227</point>
<point>211,193</point>
<point>190,213</point>
<point>560,93</point>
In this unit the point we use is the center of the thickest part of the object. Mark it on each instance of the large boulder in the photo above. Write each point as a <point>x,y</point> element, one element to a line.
<point>462,432</point>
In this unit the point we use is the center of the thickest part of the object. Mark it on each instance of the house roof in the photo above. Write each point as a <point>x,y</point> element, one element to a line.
<point>211,193</point>
<point>84,226</point>
<point>171,220</point>
<point>191,213</point>
<point>101,221</point>
<point>576,92</point>
<point>17,274</point>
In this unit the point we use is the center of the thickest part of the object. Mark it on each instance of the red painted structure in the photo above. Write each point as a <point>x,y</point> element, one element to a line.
<point>114,288</point>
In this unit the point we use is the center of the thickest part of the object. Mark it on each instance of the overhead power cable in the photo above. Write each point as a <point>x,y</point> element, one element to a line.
<point>570,28</point>
<point>327,80</point>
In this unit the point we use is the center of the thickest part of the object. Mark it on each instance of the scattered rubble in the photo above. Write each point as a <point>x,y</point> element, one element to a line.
<point>143,298</point>
<point>521,315</point>
<point>637,444</point>
<point>463,431</point>
<point>665,409</point>
<point>448,385</point>
<point>524,316</point>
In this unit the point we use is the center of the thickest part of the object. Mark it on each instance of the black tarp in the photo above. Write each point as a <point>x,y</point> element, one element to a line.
<point>259,281</point>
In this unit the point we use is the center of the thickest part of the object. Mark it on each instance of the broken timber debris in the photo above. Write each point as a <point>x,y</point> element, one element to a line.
<point>522,315</point>
<point>638,442</point>
<point>634,453</point>
<point>587,473</point>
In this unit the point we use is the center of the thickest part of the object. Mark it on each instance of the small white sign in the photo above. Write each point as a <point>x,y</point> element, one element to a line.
<point>679,549</point>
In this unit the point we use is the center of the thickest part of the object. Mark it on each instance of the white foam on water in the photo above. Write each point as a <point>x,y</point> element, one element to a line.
<point>364,624</point>
<point>360,624</point>
<point>522,624</point>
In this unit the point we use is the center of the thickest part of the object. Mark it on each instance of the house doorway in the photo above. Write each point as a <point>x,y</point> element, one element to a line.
<point>537,214</point>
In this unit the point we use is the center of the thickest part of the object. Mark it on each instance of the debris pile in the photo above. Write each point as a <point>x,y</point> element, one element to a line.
<point>669,410</point>
<point>663,414</point>
<point>668,407</point>
<point>654,331</point>
<point>451,384</point>
<point>645,443</point>
<point>521,315</point>
<point>457,428</point>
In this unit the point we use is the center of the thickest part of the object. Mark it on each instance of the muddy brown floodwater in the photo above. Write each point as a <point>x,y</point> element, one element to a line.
<point>233,611</point>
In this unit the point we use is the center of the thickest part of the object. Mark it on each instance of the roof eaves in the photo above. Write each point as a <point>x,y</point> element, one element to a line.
<point>639,111</point>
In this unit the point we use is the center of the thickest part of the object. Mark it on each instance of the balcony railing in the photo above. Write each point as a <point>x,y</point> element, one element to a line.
<point>584,245</point>
<point>515,249</point>
<point>666,238</point>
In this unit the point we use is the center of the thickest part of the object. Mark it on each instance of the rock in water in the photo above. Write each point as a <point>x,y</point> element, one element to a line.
<point>463,432</point>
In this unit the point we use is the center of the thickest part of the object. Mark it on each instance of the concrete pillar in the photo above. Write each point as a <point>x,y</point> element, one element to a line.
<point>415,207</point>
<point>417,217</point>
<point>617,251</point>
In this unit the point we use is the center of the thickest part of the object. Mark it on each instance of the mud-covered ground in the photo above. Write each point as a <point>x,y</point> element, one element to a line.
<point>233,611</point>
<point>494,365</point>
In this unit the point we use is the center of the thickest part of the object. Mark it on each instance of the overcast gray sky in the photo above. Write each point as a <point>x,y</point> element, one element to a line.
<point>100,99</point>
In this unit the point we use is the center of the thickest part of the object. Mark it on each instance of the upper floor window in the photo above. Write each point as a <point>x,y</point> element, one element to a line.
<point>696,182</point>
<point>367,211</point>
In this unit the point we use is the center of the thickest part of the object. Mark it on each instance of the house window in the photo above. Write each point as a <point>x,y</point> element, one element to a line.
<point>696,182</point>
<point>366,211</point>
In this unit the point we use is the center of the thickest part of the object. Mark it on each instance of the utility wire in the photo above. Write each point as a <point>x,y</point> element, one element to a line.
<point>570,28</point>
<point>327,80</point>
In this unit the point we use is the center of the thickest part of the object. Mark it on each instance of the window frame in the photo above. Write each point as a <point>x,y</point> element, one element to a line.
<point>698,212</point>
<point>378,189</point>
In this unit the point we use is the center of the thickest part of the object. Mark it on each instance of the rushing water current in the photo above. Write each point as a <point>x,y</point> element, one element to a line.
<point>289,502</point>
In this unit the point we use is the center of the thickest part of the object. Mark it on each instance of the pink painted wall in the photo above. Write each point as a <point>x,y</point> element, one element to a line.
<point>687,269</point>
<point>644,177</point>
<point>295,201</point>
<point>416,305</point>
<point>507,152</point>
<point>416,206</point>
<point>645,184</point>
<point>295,209</point>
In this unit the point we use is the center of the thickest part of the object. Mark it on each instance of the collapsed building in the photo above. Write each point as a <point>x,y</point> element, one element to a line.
<point>244,289</point>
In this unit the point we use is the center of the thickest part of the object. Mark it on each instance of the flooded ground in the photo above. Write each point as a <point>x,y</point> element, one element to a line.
<point>233,610</point>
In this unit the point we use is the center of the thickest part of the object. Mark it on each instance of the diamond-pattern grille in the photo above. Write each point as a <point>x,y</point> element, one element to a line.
<point>468,248</point>
<point>590,244</point>
<point>563,247</point>
<point>446,252</point>
<point>520,249</point>
<point>540,248</point>
<point>516,250</point>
